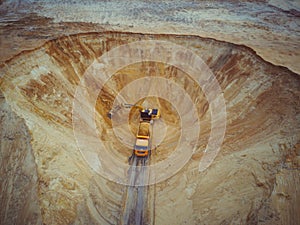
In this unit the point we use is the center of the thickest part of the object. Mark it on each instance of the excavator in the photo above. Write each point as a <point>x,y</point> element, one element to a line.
<point>142,146</point>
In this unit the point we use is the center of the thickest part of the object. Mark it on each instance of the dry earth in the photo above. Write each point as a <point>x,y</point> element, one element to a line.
<point>253,180</point>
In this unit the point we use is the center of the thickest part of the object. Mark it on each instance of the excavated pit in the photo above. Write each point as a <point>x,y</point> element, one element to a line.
<point>261,144</point>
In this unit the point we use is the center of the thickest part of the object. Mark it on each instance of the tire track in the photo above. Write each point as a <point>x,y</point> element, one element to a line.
<point>135,209</point>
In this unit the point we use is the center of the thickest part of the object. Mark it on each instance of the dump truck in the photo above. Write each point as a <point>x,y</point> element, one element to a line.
<point>142,145</point>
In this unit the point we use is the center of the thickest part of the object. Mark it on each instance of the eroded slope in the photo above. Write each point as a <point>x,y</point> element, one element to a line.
<point>262,103</point>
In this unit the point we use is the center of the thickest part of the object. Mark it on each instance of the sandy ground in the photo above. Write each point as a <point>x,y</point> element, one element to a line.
<point>271,28</point>
<point>255,177</point>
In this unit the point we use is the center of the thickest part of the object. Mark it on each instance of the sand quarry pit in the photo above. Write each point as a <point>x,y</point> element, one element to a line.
<point>242,185</point>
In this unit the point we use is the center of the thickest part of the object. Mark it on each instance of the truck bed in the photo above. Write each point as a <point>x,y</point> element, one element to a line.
<point>144,130</point>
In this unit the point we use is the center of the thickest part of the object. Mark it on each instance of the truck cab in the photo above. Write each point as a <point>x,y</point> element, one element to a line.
<point>141,147</point>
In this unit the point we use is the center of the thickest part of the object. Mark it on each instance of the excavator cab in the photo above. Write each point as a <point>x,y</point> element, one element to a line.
<point>150,114</point>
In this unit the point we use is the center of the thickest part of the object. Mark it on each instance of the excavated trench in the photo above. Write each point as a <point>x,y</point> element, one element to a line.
<point>262,106</point>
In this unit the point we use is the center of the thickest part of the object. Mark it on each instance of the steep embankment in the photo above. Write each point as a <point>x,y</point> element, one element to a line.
<point>253,179</point>
<point>19,199</point>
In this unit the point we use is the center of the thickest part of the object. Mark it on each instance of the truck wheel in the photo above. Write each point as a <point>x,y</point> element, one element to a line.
<point>130,159</point>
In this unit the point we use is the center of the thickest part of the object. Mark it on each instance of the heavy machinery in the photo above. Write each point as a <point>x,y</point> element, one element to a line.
<point>142,145</point>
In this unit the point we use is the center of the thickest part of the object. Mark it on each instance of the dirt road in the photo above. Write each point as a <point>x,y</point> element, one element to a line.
<point>136,207</point>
